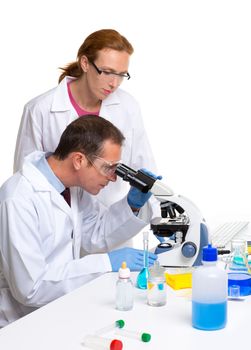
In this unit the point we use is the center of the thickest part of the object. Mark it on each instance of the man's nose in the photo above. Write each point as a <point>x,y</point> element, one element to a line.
<point>112,177</point>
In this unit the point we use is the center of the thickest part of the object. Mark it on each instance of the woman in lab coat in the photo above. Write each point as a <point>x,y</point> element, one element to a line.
<point>91,85</point>
<point>41,235</point>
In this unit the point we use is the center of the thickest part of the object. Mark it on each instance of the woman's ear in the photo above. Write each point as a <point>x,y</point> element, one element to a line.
<point>84,63</point>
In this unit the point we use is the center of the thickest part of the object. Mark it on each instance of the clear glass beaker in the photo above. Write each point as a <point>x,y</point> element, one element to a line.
<point>238,254</point>
<point>156,286</point>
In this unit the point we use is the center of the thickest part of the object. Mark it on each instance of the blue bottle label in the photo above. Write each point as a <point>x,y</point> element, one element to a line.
<point>209,316</point>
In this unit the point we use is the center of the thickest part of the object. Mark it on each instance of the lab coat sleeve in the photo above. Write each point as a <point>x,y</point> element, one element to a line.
<point>103,229</point>
<point>29,136</point>
<point>33,278</point>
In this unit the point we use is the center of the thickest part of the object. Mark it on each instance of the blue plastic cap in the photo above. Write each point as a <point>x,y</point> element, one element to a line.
<point>209,253</point>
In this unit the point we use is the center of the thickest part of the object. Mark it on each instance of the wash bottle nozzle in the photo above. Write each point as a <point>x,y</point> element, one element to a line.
<point>96,342</point>
<point>116,324</point>
<point>145,337</point>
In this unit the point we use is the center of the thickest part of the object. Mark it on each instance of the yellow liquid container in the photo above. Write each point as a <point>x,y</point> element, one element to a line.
<point>179,278</point>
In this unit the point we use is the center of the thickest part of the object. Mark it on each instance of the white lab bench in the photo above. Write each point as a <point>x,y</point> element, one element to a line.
<point>63,323</point>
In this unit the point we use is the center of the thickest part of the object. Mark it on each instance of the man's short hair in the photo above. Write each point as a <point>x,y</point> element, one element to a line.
<point>87,135</point>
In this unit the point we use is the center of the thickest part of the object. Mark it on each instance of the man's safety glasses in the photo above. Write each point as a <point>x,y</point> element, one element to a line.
<point>107,74</point>
<point>104,167</point>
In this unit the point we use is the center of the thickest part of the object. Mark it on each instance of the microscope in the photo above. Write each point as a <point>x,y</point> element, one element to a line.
<point>181,225</point>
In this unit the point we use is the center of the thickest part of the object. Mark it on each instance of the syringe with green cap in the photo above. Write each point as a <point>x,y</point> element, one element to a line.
<point>145,337</point>
<point>116,325</point>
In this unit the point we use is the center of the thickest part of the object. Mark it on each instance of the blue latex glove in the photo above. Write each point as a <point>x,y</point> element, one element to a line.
<point>134,258</point>
<point>136,198</point>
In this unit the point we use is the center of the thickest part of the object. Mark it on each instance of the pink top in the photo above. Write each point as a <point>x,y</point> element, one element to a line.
<point>79,110</point>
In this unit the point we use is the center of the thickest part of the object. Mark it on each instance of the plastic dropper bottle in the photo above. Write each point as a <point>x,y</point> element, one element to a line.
<point>209,293</point>
<point>124,289</point>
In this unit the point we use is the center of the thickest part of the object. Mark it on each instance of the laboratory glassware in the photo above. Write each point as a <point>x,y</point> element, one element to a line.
<point>98,342</point>
<point>144,273</point>
<point>109,328</point>
<point>156,286</point>
<point>145,337</point>
<point>239,258</point>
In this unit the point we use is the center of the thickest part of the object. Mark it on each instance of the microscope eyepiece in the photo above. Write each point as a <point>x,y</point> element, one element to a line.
<point>137,179</point>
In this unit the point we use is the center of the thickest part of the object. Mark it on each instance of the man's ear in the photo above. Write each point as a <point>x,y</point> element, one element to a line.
<point>78,160</point>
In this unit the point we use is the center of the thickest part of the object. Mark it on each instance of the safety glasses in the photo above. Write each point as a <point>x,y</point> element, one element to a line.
<point>104,167</point>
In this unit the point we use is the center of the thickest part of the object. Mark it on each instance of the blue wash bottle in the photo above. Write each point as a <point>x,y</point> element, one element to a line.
<point>209,293</point>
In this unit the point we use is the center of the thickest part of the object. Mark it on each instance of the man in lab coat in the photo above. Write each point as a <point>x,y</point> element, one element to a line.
<point>42,233</point>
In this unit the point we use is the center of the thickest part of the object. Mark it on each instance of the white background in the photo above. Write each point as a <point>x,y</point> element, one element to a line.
<point>190,72</point>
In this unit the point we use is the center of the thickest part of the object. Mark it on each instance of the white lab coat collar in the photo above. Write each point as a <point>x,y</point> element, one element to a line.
<point>39,182</point>
<point>61,101</point>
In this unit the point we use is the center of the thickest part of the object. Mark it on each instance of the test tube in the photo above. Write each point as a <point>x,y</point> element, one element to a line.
<point>116,324</point>
<point>145,337</point>
<point>96,342</point>
<point>249,247</point>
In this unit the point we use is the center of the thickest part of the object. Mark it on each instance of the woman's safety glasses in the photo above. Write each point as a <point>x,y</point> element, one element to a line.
<point>108,74</point>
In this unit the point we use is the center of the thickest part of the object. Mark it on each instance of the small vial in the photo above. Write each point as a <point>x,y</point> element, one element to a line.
<point>124,289</point>
<point>234,292</point>
<point>116,324</point>
<point>156,286</point>
<point>96,342</point>
<point>145,337</point>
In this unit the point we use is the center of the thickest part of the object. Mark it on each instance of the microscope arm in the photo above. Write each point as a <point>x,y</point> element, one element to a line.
<point>195,236</point>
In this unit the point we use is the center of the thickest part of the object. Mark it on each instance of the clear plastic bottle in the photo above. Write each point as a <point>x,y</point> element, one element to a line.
<point>209,293</point>
<point>124,289</point>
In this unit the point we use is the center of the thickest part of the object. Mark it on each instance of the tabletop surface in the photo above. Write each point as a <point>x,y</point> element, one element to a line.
<point>63,323</point>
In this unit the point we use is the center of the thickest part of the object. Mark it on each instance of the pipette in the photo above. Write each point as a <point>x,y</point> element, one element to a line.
<point>116,324</point>
<point>145,337</point>
<point>144,273</point>
<point>96,342</point>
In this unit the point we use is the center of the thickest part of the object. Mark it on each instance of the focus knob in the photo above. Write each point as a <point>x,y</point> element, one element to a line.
<point>189,249</point>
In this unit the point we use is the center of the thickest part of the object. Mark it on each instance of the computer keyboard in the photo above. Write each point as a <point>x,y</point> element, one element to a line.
<point>224,233</point>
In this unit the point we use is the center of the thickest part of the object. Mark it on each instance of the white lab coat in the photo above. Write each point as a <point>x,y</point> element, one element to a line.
<point>46,117</point>
<point>41,238</point>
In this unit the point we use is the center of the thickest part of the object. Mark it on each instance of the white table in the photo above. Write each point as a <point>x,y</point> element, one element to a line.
<point>63,323</point>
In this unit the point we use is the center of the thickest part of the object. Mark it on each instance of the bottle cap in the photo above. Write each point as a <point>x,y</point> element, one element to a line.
<point>209,253</point>
<point>124,272</point>
<point>145,337</point>
<point>120,323</point>
<point>116,345</point>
